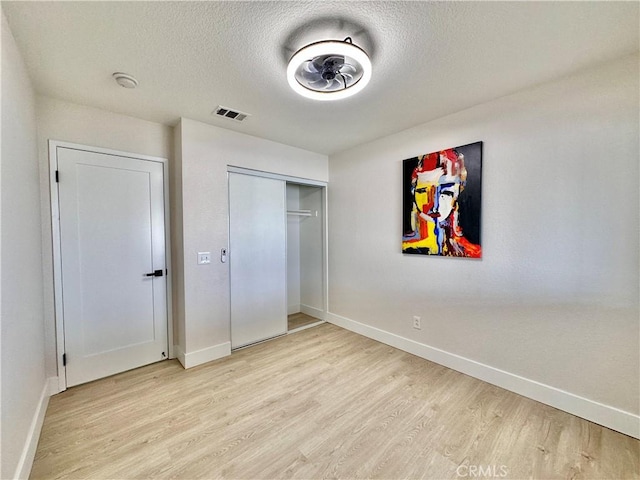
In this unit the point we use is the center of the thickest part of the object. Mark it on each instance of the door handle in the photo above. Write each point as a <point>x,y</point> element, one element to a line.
<point>155,273</point>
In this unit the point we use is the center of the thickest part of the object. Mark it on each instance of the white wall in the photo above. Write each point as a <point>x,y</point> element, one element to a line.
<point>24,385</point>
<point>58,120</point>
<point>555,298</point>
<point>293,250</point>
<point>205,152</point>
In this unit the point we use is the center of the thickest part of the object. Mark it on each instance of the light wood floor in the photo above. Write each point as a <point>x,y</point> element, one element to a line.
<point>297,320</point>
<point>321,403</point>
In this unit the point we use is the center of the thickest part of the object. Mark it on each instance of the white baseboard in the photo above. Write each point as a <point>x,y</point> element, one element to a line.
<point>291,309</point>
<point>313,312</point>
<point>606,415</point>
<point>179,354</point>
<point>31,444</point>
<point>193,359</point>
<point>53,386</point>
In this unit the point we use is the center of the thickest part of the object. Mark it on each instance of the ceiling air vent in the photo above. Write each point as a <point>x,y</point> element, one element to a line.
<point>229,113</point>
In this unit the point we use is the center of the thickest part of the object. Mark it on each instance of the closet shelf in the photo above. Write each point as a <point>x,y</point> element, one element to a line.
<point>301,213</point>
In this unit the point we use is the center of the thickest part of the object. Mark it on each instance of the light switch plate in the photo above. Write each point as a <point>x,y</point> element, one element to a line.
<point>204,258</point>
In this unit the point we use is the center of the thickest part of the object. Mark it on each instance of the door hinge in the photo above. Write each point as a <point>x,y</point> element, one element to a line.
<point>64,359</point>
<point>57,177</point>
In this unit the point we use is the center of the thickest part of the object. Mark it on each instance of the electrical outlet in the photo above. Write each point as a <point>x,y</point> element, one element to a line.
<point>416,323</point>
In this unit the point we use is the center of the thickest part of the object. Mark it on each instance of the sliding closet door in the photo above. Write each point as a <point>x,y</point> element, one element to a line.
<point>258,263</point>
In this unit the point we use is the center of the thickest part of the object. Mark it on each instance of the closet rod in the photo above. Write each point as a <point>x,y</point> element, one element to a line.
<point>302,213</point>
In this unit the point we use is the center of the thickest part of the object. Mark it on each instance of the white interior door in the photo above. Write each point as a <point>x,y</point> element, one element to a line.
<point>112,240</point>
<point>258,262</point>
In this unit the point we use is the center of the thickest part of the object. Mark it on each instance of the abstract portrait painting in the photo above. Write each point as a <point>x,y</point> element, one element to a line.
<point>441,202</point>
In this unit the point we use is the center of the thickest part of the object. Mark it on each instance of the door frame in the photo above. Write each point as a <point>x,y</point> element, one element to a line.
<point>57,257</point>
<point>325,225</point>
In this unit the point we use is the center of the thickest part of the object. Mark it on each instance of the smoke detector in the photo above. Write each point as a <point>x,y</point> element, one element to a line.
<point>329,70</point>
<point>125,80</point>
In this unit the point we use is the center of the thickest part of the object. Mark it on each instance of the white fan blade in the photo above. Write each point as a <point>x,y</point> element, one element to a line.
<point>320,84</point>
<point>310,67</point>
<point>347,68</point>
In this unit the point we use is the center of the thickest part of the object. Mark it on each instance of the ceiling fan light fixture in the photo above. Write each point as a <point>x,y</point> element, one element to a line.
<point>329,70</point>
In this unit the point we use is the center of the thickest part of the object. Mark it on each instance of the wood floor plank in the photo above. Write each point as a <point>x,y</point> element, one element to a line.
<point>320,403</point>
<point>297,320</point>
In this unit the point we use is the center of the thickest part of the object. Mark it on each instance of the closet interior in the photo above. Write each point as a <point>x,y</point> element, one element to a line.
<point>305,259</point>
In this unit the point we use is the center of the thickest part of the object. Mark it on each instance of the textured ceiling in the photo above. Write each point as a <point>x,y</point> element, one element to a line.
<point>429,59</point>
